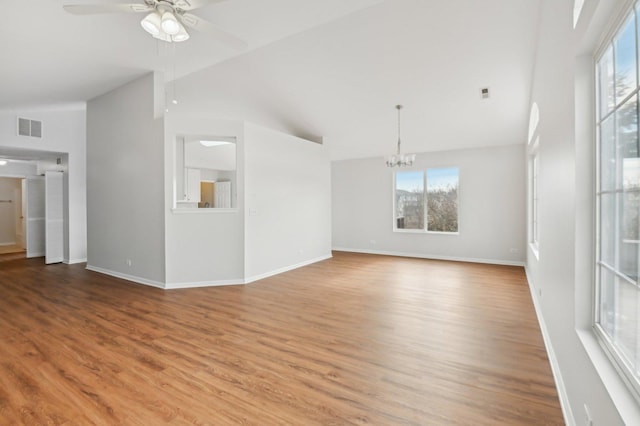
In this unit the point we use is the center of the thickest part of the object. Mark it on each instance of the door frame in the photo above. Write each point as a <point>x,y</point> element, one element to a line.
<point>35,155</point>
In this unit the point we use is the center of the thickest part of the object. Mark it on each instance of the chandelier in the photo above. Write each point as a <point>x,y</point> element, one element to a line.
<point>164,25</point>
<point>400,160</point>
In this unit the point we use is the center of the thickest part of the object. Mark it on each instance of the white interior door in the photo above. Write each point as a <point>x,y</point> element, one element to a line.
<point>17,196</point>
<point>222,193</point>
<point>35,215</point>
<point>54,218</point>
<point>23,215</point>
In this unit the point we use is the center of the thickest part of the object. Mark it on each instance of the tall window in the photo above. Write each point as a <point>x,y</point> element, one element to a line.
<point>440,200</point>
<point>617,319</point>
<point>534,164</point>
<point>535,230</point>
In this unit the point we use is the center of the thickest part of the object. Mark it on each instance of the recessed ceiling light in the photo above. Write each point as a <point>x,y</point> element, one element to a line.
<point>214,143</point>
<point>3,162</point>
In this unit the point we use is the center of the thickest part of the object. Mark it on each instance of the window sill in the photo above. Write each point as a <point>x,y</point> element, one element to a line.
<point>621,395</point>
<point>202,211</point>
<point>422,231</point>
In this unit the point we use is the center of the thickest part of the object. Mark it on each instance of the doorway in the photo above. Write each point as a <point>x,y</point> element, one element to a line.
<point>11,216</point>
<point>32,204</point>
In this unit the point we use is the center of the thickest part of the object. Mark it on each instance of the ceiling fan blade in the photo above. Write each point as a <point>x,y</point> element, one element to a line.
<point>96,9</point>
<point>194,4</point>
<point>207,27</point>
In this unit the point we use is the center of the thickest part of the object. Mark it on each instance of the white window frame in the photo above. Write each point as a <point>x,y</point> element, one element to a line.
<point>534,240</point>
<point>425,200</point>
<point>618,360</point>
<point>533,143</point>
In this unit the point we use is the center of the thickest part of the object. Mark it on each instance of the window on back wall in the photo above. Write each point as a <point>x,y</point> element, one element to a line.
<point>617,302</point>
<point>433,210</point>
<point>409,199</point>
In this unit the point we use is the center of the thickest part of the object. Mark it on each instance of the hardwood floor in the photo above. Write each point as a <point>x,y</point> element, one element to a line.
<point>357,339</point>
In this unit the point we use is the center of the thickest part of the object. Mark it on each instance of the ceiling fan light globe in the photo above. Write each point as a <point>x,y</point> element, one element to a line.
<point>170,24</point>
<point>151,23</point>
<point>182,35</point>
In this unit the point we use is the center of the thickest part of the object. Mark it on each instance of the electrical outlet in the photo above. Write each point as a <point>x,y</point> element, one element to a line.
<point>514,250</point>
<point>540,292</point>
<point>372,241</point>
<point>127,262</point>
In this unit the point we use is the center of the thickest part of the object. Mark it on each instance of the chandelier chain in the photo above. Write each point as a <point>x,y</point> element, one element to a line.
<point>399,107</point>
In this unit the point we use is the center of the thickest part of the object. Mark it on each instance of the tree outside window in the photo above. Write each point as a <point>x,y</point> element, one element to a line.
<point>440,199</point>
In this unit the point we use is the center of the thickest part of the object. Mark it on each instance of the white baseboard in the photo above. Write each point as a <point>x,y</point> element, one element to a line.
<point>175,286</point>
<point>74,261</point>
<point>246,280</point>
<point>569,419</point>
<point>219,283</point>
<point>32,255</point>
<point>433,257</point>
<point>127,277</point>
<point>286,268</point>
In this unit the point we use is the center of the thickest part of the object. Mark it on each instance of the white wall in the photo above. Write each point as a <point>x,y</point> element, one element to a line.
<point>207,247</point>
<point>125,183</point>
<point>562,278</point>
<point>491,207</point>
<point>64,131</point>
<point>288,202</point>
<point>285,180</point>
<point>9,202</point>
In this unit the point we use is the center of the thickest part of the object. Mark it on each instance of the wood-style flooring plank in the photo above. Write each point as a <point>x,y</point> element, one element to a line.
<point>354,340</point>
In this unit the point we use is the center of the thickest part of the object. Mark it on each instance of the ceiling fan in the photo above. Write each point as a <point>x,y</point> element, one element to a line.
<point>166,19</point>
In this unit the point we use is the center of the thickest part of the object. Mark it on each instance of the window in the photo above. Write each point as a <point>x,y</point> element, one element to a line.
<point>205,172</point>
<point>535,230</point>
<point>577,10</point>
<point>534,164</point>
<point>440,199</point>
<point>410,200</point>
<point>534,120</point>
<point>617,302</point>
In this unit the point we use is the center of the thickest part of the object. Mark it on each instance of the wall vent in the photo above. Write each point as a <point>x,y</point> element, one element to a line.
<point>27,127</point>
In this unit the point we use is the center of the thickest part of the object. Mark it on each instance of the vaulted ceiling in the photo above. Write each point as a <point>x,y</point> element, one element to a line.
<point>330,69</point>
